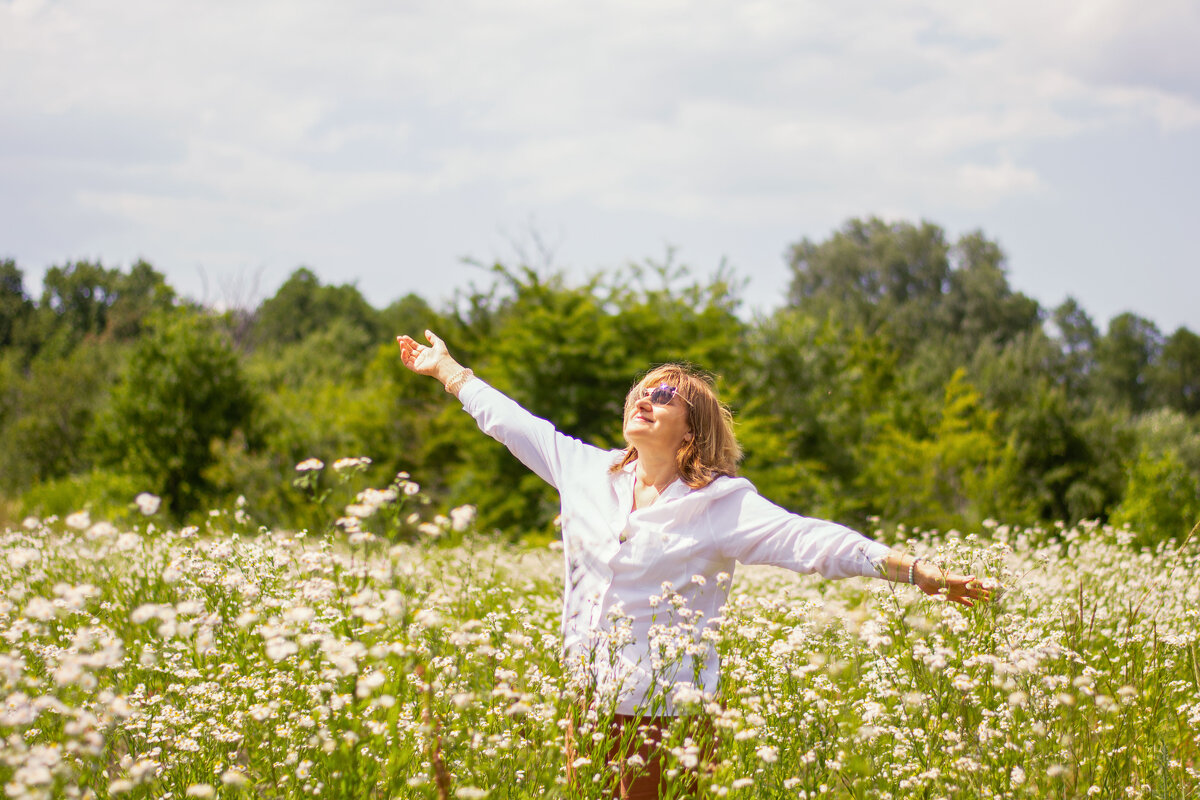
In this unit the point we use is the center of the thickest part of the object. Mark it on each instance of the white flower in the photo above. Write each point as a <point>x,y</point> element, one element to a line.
<point>299,614</point>
<point>40,608</point>
<point>127,541</point>
<point>368,683</point>
<point>768,754</point>
<point>376,497</point>
<point>347,463</point>
<point>310,464</point>
<point>202,790</point>
<point>147,503</point>
<point>30,523</point>
<point>20,556</point>
<point>470,793</point>
<point>462,517</point>
<point>233,777</point>
<point>279,648</point>
<point>101,530</point>
<point>687,694</point>
<point>143,769</point>
<point>80,520</point>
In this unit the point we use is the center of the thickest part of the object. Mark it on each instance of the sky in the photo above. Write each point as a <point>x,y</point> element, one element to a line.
<point>397,144</point>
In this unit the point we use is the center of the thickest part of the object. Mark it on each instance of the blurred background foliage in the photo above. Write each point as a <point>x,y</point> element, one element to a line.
<point>902,380</point>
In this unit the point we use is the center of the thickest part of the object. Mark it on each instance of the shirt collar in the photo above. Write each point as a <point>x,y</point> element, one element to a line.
<point>677,488</point>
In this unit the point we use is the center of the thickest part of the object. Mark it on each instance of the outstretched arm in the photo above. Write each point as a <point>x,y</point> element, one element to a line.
<point>535,442</point>
<point>932,580</point>
<point>434,360</point>
<point>760,532</point>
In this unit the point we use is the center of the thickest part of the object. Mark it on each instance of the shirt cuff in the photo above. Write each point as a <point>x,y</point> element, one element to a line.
<point>874,554</point>
<point>468,391</point>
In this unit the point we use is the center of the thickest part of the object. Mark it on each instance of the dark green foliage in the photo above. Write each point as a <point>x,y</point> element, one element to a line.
<point>811,395</point>
<point>302,305</point>
<point>16,308</point>
<point>955,473</point>
<point>908,282</point>
<point>979,306</point>
<point>46,411</point>
<point>1124,357</point>
<point>90,299</point>
<point>182,389</point>
<point>1175,378</point>
<point>1078,338</point>
<point>570,354</point>
<point>905,379</point>
<point>1162,498</point>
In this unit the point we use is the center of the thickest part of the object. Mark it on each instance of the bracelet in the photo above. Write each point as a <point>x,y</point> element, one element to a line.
<point>457,380</point>
<point>912,568</point>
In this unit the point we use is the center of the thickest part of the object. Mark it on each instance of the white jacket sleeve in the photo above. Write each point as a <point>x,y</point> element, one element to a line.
<point>534,441</point>
<point>760,532</point>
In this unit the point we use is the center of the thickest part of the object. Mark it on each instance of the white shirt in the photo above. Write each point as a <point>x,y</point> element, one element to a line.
<point>641,587</point>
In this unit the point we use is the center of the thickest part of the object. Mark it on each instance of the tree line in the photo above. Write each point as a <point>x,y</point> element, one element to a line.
<point>903,380</point>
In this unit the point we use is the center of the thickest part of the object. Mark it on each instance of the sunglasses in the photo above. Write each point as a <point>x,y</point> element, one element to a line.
<point>662,394</point>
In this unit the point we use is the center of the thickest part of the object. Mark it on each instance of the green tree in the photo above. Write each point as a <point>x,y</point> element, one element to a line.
<point>1162,498</point>
<point>809,393</point>
<point>1078,338</point>
<point>182,389</point>
<point>1124,358</point>
<point>46,410</point>
<point>302,306</point>
<point>1175,378</point>
<point>979,304</point>
<point>16,308</point>
<point>949,476</point>
<point>908,280</point>
<point>869,271</point>
<point>86,298</point>
<point>569,353</point>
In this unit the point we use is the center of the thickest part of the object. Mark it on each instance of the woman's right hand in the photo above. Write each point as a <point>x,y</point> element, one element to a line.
<point>434,360</point>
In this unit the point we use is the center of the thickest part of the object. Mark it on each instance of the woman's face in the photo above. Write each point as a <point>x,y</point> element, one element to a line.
<point>657,429</point>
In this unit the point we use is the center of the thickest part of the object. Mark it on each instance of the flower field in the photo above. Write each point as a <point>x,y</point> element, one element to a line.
<point>221,662</point>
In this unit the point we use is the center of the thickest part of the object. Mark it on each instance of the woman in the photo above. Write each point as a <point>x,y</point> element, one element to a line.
<point>651,535</point>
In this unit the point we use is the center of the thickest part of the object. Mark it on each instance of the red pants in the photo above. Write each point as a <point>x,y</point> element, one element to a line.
<point>643,736</point>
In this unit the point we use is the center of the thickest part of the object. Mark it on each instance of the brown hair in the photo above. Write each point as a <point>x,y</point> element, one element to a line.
<point>713,449</point>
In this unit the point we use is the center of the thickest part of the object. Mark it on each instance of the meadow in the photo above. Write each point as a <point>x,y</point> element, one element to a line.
<point>228,660</point>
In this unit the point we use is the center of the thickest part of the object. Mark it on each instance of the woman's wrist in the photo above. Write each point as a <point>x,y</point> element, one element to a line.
<point>928,577</point>
<point>447,370</point>
<point>456,379</point>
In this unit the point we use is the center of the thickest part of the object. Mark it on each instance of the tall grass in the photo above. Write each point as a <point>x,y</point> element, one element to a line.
<point>197,663</point>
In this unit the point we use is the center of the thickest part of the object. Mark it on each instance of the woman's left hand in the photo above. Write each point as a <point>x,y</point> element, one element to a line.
<point>965,589</point>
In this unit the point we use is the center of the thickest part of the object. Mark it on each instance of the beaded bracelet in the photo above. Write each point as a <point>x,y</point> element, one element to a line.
<point>912,571</point>
<point>457,381</point>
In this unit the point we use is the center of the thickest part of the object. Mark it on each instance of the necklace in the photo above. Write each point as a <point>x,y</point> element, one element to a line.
<point>646,500</point>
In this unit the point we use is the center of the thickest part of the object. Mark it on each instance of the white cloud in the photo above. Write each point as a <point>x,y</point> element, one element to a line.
<point>1002,178</point>
<point>188,123</point>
